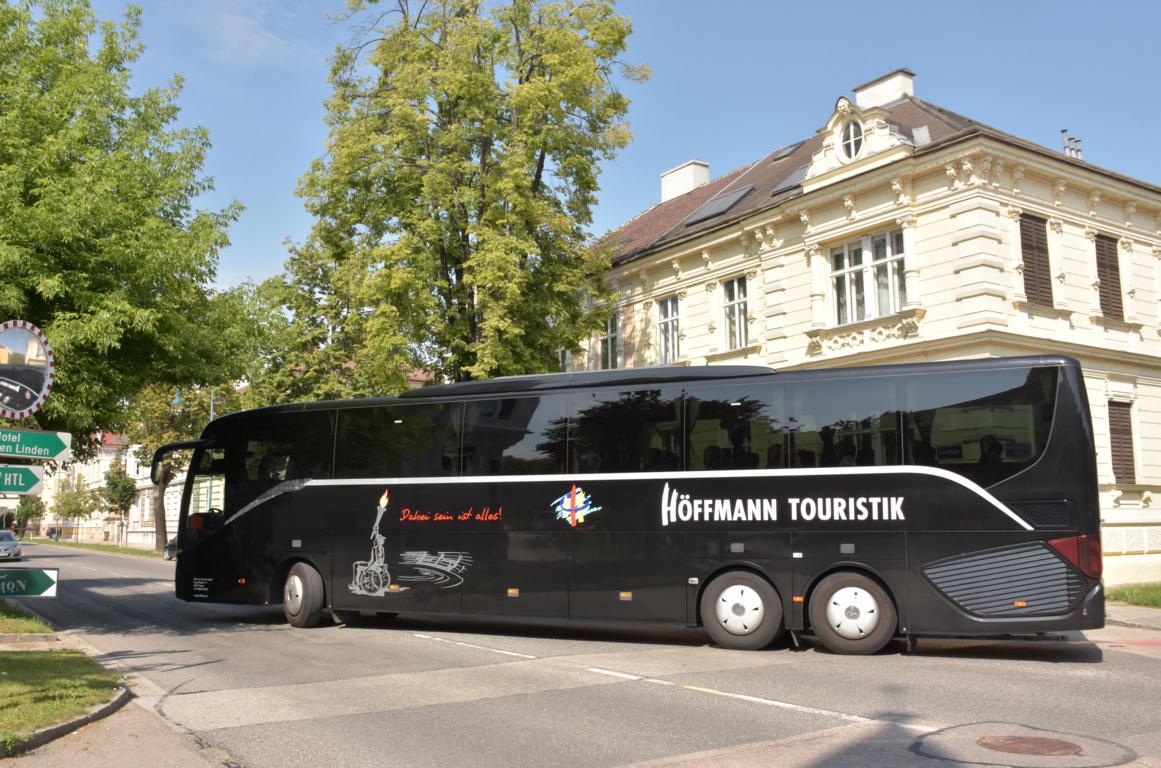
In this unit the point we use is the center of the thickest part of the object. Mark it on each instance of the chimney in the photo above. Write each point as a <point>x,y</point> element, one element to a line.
<point>684,178</point>
<point>886,89</point>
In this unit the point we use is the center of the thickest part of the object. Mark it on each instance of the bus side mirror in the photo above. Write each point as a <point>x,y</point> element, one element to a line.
<point>160,454</point>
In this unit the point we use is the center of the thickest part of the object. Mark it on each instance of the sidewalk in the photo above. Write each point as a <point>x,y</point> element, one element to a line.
<point>1125,615</point>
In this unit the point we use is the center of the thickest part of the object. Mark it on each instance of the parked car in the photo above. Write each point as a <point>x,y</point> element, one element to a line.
<point>170,550</point>
<point>10,546</point>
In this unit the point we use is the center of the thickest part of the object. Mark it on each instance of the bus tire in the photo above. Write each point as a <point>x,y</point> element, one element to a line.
<point>742,611</point>
<point>852,614</point>
<point>303,596</point>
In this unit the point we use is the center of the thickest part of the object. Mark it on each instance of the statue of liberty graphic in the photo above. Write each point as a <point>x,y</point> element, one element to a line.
<point>372,577</point>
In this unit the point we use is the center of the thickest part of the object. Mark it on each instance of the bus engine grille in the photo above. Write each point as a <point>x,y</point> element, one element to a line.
<point>1026,580</point>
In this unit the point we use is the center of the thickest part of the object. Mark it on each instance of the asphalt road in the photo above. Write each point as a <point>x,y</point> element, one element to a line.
<point>404,692</point>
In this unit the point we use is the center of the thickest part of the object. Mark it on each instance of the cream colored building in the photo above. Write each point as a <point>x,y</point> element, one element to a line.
<point>904,232</point>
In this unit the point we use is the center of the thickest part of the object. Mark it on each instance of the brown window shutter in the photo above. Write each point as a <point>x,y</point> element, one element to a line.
<point>1109,273</point>
<point>1034,248</point>
<point>1121,440</point>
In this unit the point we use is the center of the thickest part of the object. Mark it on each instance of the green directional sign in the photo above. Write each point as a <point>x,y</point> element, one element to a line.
<point>27,444</point>
<point>21,480</point>
<point>28,582</point>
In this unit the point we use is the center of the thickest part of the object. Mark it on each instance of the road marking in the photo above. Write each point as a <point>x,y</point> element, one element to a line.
<point>611,673</point>
<point>477,647</point>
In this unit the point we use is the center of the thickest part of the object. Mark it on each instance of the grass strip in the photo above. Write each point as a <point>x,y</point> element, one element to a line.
<point>43,688</point>
<point>113,548</point>
<point>14,621</point>
<point>1137,594</point>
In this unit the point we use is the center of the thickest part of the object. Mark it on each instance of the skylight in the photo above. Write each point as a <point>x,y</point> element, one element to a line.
<point>718,204</point>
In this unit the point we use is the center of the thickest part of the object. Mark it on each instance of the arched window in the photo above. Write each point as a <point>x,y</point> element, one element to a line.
<point>852,139</point>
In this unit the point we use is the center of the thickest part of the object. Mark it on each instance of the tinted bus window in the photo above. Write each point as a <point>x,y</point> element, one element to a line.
<point>275,448</point>
<point>845,423</point>
<point>985,425</point>
<point>412,440</point>
<point>634,431</point>
<point>515,436</point>
<point>736,427</point>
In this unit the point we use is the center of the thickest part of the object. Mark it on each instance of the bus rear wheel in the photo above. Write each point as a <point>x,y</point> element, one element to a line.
<point>302,596</point>
<point>852,614</point>
<point>740,610</point>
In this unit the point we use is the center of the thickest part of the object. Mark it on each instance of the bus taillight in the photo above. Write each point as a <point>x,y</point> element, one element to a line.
<point>1083,551</point>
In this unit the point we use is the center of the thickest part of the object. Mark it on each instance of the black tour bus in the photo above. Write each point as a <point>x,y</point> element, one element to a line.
<point>859,504</point>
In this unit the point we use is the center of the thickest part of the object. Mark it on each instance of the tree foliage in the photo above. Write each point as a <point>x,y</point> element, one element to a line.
<point>120,490</point>
<point>75,501</point>
<point>29,508</point>
<point>100,243</point>
<point>452,204</point>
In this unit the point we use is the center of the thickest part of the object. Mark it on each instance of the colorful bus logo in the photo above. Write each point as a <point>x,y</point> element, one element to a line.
<point>574,506</point>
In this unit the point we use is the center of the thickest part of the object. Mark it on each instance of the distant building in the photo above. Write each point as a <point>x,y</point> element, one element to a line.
<point>134,530</point>
<point>902,231</point>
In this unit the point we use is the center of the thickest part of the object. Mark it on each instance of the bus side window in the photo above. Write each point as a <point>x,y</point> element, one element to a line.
<point>846,422</point>
<point>735,427</point>
<point>408,440</point>
<point>516,436</point>
<point>628,431</point>
<point>984,425</point>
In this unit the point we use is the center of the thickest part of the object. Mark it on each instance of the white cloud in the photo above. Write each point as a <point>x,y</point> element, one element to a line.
<point>251,33</point>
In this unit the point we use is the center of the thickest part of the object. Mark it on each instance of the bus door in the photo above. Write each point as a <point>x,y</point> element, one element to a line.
<point>199,573</point>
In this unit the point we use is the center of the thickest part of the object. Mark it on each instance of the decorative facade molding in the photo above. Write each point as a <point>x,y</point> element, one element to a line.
<point>1015,212</point>
<point>804,217</point>
<point>904,325</point>
<point>1094,199</point>
<point>997,173</point>
<point>952,176</point>
<point>1090,234</point>
<point>1130,210</point>
<point>985,171</point>
<point>675,265</point>
<point>906,221</point>
<point>711,286</point>
<point>849,204</point>
<point>1056,225</point>
<point>899,188</point>
<point>1058,190</point>
<point>705,260</point>
<point>1017,177</point>
<point>1126,244</point>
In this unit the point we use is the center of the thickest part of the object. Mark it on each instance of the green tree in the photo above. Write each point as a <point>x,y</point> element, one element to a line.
<point>120,490</point>
<point>453,201</point>
<point>29,508</point>
<point>75,502</point>
<point>100,243</point>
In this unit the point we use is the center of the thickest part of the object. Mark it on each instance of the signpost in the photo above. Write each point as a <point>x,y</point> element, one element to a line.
<point>20,480</point>
<point>45,446</point>
<point>28,582</point>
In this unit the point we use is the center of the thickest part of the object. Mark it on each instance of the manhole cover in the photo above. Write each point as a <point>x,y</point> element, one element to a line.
<point>1029,745</point>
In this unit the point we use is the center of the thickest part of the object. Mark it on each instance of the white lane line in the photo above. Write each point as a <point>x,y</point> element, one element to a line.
<point>611,673</point>
<point>765,702</point>
<point>781,704</point>
<point>477,647</point>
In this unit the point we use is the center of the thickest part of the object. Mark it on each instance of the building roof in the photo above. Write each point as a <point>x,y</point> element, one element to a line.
<point>777,177</point>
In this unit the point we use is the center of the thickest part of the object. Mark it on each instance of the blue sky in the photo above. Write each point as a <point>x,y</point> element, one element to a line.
<point>732,79</point>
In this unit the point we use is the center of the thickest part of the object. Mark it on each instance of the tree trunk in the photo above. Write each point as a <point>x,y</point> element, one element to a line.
<point>160,535</point>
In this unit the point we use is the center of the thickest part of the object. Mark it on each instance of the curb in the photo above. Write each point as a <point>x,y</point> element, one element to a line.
<point>1130,624</point>
<point>51,733</point>
<point>54,732</point>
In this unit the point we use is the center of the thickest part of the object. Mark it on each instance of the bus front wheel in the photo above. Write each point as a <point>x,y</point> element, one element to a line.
<point>302,596</point>
<point>852,614</point>
<point>740,610</point>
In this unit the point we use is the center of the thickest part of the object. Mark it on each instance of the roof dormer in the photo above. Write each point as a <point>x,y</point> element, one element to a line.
<point>855,139</point>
